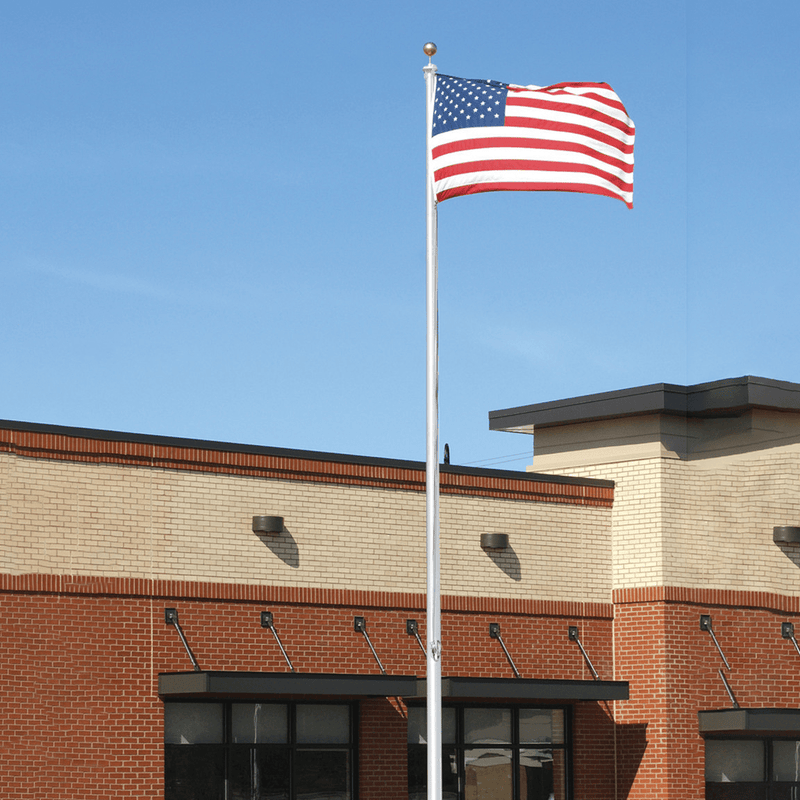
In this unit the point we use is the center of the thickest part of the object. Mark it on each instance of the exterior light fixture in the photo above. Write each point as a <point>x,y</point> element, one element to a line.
<point>267,524</point>
<point>494,541</point>
<point>786,534</point>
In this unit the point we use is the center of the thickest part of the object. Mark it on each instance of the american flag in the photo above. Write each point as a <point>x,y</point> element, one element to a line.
<point>488,136</point>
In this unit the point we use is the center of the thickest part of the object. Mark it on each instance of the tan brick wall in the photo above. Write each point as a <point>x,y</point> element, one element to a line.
<point>7,552</point>
<point>705,523</point>
<point>720,517</point>
<point>637,520</point>
<point>68,517</point>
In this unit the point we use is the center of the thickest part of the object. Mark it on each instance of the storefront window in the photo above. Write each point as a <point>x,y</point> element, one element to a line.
<point>487,753</point>
<point>258,751</point>
<point>741,769</point>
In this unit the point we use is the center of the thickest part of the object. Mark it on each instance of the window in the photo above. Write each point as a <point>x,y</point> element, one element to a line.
<point>492,753</point>
<point>752,768</point>
<point>258,751</point>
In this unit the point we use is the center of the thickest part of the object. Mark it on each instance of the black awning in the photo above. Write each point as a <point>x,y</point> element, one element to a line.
<point>529,689</point>
<point>258,684</point>
<point>750,720</point>
<point>263,684</point>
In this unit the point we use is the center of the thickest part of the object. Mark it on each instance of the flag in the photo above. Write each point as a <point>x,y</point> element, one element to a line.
<point>488,136</point>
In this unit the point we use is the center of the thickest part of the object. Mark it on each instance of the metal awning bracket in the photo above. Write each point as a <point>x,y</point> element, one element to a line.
<point>705,625</point>
<point>360,626</point>
<point>787,632</point>
<point>573,634</point>
<point>494,633</point>
<point>412,629</point>
<point>267,622</point>
<point>728,688</point>
<point>171,618</point>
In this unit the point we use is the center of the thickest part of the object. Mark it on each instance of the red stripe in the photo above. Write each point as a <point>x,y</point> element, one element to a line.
<point>528,187</point>
<point>580,85</point>
<point>566,127</point>
<point>569,108</point>
<point>527,144</point>
<point>528,166</point>
<point>614,101</point>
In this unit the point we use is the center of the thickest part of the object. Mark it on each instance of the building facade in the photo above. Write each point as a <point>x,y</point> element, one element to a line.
<point>188,619</point>
<point>705,575</point>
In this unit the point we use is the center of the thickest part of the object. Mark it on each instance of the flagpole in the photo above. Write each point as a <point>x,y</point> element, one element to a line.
<point>434,614</point>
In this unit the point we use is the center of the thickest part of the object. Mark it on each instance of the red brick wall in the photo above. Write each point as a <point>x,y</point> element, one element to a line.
<point>80,717</point>
<point>593,751</point>
<point>382,749</point>
<point>673,668</point>
<point>78,675</point>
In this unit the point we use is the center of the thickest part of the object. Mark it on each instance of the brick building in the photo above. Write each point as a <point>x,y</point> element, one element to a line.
<point>628,642</point>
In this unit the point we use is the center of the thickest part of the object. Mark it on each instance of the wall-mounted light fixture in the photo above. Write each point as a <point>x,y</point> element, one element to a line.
<point>494,541</point>
<point>267,524</point>
<point>786,534</point>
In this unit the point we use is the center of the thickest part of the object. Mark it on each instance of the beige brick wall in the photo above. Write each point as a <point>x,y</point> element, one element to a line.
<point>62,517</point>
<point>705,523</point>
<point>637,520</point>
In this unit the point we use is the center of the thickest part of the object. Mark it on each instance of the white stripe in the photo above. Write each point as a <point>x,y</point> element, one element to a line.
<point>524,177</point>
<point>570,119</point>
<point>528,154</point>
<point>572,89</point>
<point>580,102</point>
<point>464,134</point>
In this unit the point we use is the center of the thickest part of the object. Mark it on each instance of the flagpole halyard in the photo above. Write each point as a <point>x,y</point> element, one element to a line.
<point>434,623</point>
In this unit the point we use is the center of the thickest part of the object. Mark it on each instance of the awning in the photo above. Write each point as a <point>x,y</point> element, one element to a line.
<point>262,684</point>
<point>750,720</point>
<point>258,684</point>
<point>529,689</point>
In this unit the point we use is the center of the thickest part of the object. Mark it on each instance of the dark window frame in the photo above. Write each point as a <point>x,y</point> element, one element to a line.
<point>461,747</point>
<point>767,788</point>
<point>227,748</point>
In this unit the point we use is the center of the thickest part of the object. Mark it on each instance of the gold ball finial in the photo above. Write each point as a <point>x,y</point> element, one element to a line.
<point>429,49</point>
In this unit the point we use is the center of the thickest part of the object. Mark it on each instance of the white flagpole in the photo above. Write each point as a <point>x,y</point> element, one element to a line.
<point>434,613</point>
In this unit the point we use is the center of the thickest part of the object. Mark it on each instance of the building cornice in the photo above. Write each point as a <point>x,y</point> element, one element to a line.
<point>726,398</point>
<point>156,452</point>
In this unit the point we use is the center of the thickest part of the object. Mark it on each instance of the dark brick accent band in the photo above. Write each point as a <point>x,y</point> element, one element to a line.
<point>35,583</point>
<point>348,471</point>
<point>708,597</point>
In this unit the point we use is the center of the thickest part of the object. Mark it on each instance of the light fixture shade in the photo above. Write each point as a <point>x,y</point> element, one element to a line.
<point>267,524</point>
<point>494,541</point>
<point>786,533</point>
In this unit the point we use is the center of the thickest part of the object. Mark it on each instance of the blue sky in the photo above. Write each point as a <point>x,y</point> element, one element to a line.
<point>212,218</point>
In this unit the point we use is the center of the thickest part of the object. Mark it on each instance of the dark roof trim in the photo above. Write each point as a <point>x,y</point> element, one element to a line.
<point>256,684</point>
<point>751,720</point>
<point>529,689</point>
<point>725,398</point>
<point>190,445</point>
